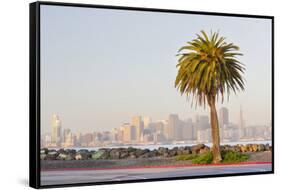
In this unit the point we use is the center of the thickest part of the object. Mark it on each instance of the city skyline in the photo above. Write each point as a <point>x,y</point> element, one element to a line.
<point>142,130</point>
<point>144,117</point>
<point>112,77</point>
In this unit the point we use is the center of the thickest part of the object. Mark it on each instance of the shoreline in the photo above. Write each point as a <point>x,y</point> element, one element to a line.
<point>134,152</point>
<point>166,145</point>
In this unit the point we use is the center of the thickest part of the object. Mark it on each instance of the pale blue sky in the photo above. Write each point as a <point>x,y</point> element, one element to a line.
<point>99,67</point>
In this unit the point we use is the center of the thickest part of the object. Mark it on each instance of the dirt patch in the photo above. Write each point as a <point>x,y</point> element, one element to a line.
<point>58,164</point>
<point>265,156</point>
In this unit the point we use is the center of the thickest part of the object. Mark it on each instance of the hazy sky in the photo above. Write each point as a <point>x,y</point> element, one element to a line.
<point>99,67</point>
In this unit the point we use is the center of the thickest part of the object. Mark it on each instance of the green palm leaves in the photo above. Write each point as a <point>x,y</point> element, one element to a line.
<point>208,67</point>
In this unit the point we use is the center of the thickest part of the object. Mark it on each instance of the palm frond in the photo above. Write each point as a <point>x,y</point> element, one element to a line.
<point>208,66</point>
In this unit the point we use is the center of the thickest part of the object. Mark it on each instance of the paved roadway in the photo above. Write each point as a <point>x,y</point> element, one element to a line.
<point>84,176</point>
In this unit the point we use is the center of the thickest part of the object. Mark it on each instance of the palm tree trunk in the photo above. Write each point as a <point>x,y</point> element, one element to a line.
<point>215,131</point>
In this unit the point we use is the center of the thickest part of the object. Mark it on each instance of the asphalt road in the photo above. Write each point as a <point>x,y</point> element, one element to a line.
<point>84,176</point>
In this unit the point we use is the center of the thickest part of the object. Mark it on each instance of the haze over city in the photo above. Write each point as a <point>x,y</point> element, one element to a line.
<point>127,66</point>
<point>145,131</point>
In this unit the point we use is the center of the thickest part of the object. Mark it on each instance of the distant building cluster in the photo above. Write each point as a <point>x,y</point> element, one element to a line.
<point>143,130</point>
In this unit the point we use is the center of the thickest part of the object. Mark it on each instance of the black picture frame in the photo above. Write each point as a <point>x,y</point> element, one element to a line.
<point>34,98</point>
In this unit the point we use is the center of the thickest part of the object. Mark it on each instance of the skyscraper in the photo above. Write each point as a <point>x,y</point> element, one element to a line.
<point>138,123</point>
<point>223,121</point>
<point>129,132</point>
<point>66,133</point>
<point>78,138</point>
<point>202,126</point>
<point>223,116</point>
<point>178,135</point>
<point>146,121</point>
<point>187,130</point>
<point>56,130</point>
<point>203,122</point>
<point>173,122</point>
<point>241,123</point>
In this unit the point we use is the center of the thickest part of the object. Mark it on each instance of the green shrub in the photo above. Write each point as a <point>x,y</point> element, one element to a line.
<point>233,157</point>
<point>205,158</point>
<point>184,157</point>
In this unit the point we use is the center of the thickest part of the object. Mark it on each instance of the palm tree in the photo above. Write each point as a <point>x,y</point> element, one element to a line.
<point>207,71</point>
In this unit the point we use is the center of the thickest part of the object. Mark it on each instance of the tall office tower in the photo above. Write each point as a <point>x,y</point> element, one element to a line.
<point>129,133</point>
<point>224,116</point>
<point>69,139</point>
<point>159,127</point>
<point>165,128</point>
<point>204,136</point>
<point>86,139</point>
<point>78,138</point>
<point>56,130</point>
<point>179,131</point>
<point>66,132</point>
<point>192,129</point>
<point>195,124</point>
<point>138,123</point>
<point>241,123</point>
<point>187,130</point>
<point>121,134</point>
<point>204,122</point>
<point>146,121</point>
<point>115,134</point>
<point>201,122</point>
<point>223,121</point>
<point>200,126</point>
<point>173,122</point>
